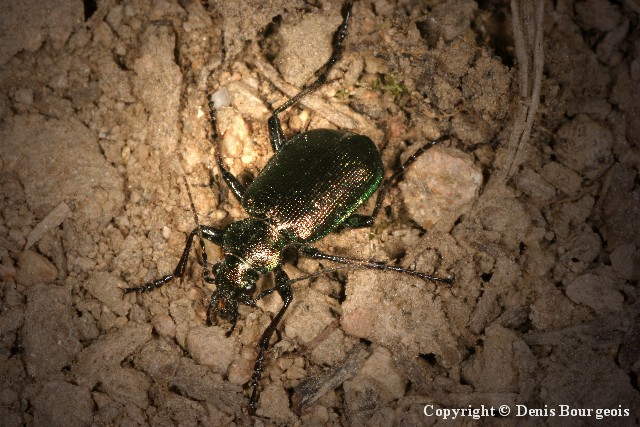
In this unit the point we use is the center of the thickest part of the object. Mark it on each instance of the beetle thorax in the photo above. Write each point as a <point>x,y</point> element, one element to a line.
<point>254,242</point>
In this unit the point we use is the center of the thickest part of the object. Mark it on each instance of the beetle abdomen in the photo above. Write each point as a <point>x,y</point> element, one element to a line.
<point>314,183</point>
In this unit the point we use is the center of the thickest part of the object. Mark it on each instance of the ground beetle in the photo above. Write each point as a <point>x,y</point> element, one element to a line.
<point>310,187</point>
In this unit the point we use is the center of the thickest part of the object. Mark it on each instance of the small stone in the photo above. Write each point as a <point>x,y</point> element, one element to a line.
<point>585,146</point>
<point>572,215</point>
<point>448,20</point>
<point>296,373</point>
<point>114,17</point>
<point>106,353</point>
<point>103,34</point>
<point>159,360</point>
<point>392,384</point>
<point>84,180</point>
<point>597,292</point>
<point>331,350</point>
<point>372,305</point>
<point>535,186</point>
<point>495,355</point>
<point>607,47</point>
<point>375,65</point>
<point>35,269</point>
<point>316,415</point>
<point>221,98</point>
<point>247,100</point>
<point>541,316</point>
<point>24,96</point>
<point>312,314</point>
<point>164,325</point>
<point>625,260</point>
<point>586,247</point>
<point>24,27</point>
<point>241,370</point>
<point>166,232</point>
<point>440,186</point>
<point>210,346</point>
<point>126,385</point>
<point>107,289</point>
<point>622,217</point>
<point>274,404</point>
<point>561,177</point>
<point>234,132</point>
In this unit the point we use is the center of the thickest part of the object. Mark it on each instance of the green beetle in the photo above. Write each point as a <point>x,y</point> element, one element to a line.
<point>312,185</point>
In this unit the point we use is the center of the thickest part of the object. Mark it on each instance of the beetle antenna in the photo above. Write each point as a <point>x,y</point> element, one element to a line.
<point>195,218</point>
<point>321,273</point>
<point>193,206</point>
<point>236,187</point>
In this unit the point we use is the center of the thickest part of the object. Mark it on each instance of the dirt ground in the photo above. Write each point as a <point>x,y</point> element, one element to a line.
<point>533,204</point>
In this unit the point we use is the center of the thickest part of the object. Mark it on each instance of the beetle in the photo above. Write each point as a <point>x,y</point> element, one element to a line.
<point>311,186</point>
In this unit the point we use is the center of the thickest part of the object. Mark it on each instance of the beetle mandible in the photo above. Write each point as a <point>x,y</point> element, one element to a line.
<point>312,185</point>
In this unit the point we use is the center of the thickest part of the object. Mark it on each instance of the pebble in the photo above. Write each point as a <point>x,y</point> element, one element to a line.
<point>585,146</point>
<point>164,325</point>
<point>625,260</point>
<point>24,96</point>
<point>597,292</point>
<point>221,98</point>
<point>246,99</point>
<point>106,288</point>
<point>561,177</point>
<point>33,269</point>
<point>209,346</point>
<point>535,186</point>
<point>441,182</point>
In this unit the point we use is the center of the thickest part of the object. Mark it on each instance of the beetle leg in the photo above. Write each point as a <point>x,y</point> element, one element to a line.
<point>284,289</point>
<point>210,233</point>
<point>276,136</point>
<point>236,187</point>
<point>212,303</point>
<point>214,235</point>
<point>234,321</point>
<point>359,221</point>
<point>311,252</point>
<point>265,293</point>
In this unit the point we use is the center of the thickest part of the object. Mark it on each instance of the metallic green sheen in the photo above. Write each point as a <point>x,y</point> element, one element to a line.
<point>314,183</point>
<point>255,242</point>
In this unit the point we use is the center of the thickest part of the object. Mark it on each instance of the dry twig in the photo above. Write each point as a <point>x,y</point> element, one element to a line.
<point>527,18</point>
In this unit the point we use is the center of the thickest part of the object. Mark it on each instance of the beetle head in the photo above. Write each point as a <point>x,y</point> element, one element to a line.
<point>235,283</point>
